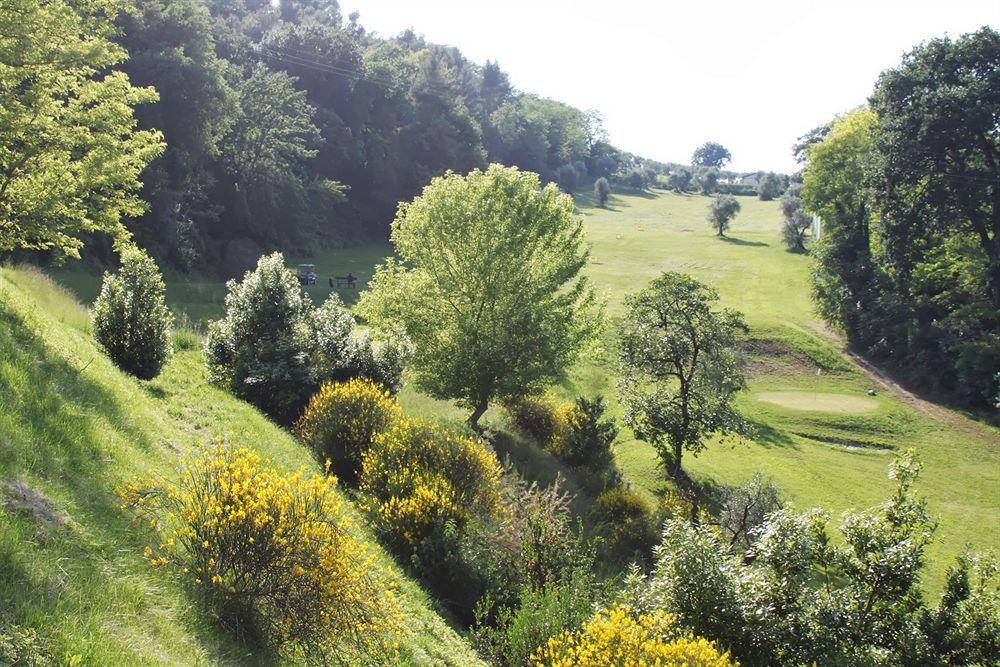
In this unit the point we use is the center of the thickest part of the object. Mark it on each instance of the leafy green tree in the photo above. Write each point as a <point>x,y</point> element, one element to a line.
<point>721,211</point>
<point>637,179</point>
<point>487,286</point>
<point>70,153</point>
<point>813,136</point>
<point>274,132</point>
<point>937,170</point>
<point>797,223</point>
<point>934,179</point>
<point>709,181</point>
<point>680,179</point>
<point>866,608</point>
<point>681,367</point>
<point>834,189</point>
<point>711,154</point>
<point>768,187</point>
<point>172,48</point>
<point>130,316</point>
<point>602,191</point>
<point>567,178</point>
<point>274,349</point>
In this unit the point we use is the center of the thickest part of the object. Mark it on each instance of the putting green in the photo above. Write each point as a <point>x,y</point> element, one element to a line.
<point>819,402</point>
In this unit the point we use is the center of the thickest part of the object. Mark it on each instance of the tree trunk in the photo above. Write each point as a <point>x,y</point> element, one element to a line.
<point>476,414</point>
<point>675,465</point>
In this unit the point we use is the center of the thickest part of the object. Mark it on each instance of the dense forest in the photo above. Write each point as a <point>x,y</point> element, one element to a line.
<point>289,125</point>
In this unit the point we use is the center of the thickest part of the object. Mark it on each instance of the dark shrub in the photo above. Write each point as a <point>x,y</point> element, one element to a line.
<point>589,437</point>
<point>130,316</point>
<point>626,523</point>
<point>602,191</point>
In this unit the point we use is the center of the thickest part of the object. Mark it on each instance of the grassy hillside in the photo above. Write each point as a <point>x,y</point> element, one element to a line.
<point>822,439</point>
<point>72,427</point>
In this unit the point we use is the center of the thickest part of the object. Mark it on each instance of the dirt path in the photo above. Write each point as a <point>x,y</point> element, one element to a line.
<point>942,414</point>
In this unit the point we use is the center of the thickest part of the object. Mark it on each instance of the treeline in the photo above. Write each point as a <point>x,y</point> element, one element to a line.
<point>908,188</point>
<point>289,125</point>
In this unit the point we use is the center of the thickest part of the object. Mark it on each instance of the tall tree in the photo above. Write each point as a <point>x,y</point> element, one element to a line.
<point>488,286</point>
<point>680,179</point>
<point>935,182</point>
<point>171,48</point>
<point>711,154</point>
<point>834,189</point>
<point>70,153</point>
<point>937,171</point>
<point>681,367</point>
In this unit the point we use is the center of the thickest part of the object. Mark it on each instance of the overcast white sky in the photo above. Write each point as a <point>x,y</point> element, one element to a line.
<point>668,76</point>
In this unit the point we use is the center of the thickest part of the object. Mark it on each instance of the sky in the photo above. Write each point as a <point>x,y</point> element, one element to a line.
<point>668,76</point>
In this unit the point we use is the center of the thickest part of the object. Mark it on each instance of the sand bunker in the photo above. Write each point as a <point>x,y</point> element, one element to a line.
<point>819,402</point>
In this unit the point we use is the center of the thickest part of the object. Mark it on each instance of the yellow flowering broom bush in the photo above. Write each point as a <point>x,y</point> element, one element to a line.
<point>277,554</point>
<point>342,420</point>
<point>417,476</point>
<point>545,419</point>
<point>618,637</point>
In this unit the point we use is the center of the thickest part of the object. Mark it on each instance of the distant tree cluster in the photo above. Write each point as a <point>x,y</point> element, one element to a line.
<point>908,263</point>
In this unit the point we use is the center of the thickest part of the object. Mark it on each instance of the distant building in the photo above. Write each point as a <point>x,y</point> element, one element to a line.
<point>749,179</point>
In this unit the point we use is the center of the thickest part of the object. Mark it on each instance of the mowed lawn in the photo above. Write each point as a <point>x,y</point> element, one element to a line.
<point>819,435</point>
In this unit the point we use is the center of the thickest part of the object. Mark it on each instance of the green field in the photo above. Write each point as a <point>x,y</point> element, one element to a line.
<point>72,426</point>
<point>820,437</point>
<point>818,452</point>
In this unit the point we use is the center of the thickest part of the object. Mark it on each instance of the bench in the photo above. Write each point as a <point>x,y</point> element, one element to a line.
<point>350,281</point>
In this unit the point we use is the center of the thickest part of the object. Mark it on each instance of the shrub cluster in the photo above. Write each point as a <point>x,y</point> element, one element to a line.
<point>543,418</point>
<point>341,422</point>
<point>576,433</point>
<point>274,349</point>
<point>618,637</point>
<point>768,606</point>
<point>130,316</point>
<point>519,630</point>
<point>627,525</point>
<point>417,477</point>
<point>277,555</point>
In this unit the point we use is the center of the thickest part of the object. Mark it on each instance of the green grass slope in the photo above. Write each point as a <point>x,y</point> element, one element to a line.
<point>71,427</point>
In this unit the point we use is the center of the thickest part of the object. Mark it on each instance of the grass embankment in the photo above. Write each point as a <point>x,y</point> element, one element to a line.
<point>71,427</point>
<point>830,453</point>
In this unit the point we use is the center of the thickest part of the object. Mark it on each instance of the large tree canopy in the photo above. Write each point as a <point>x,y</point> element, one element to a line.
<point>834,189</point>
<point>937,143</point>
<point>70,154</point>
<point>488,286</point>
<point>711,154</point>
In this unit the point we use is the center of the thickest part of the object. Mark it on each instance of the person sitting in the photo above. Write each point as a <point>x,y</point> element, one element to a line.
<point>351,280</point>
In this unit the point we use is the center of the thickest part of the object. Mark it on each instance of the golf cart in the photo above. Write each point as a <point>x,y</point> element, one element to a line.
<point>307,274</point>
